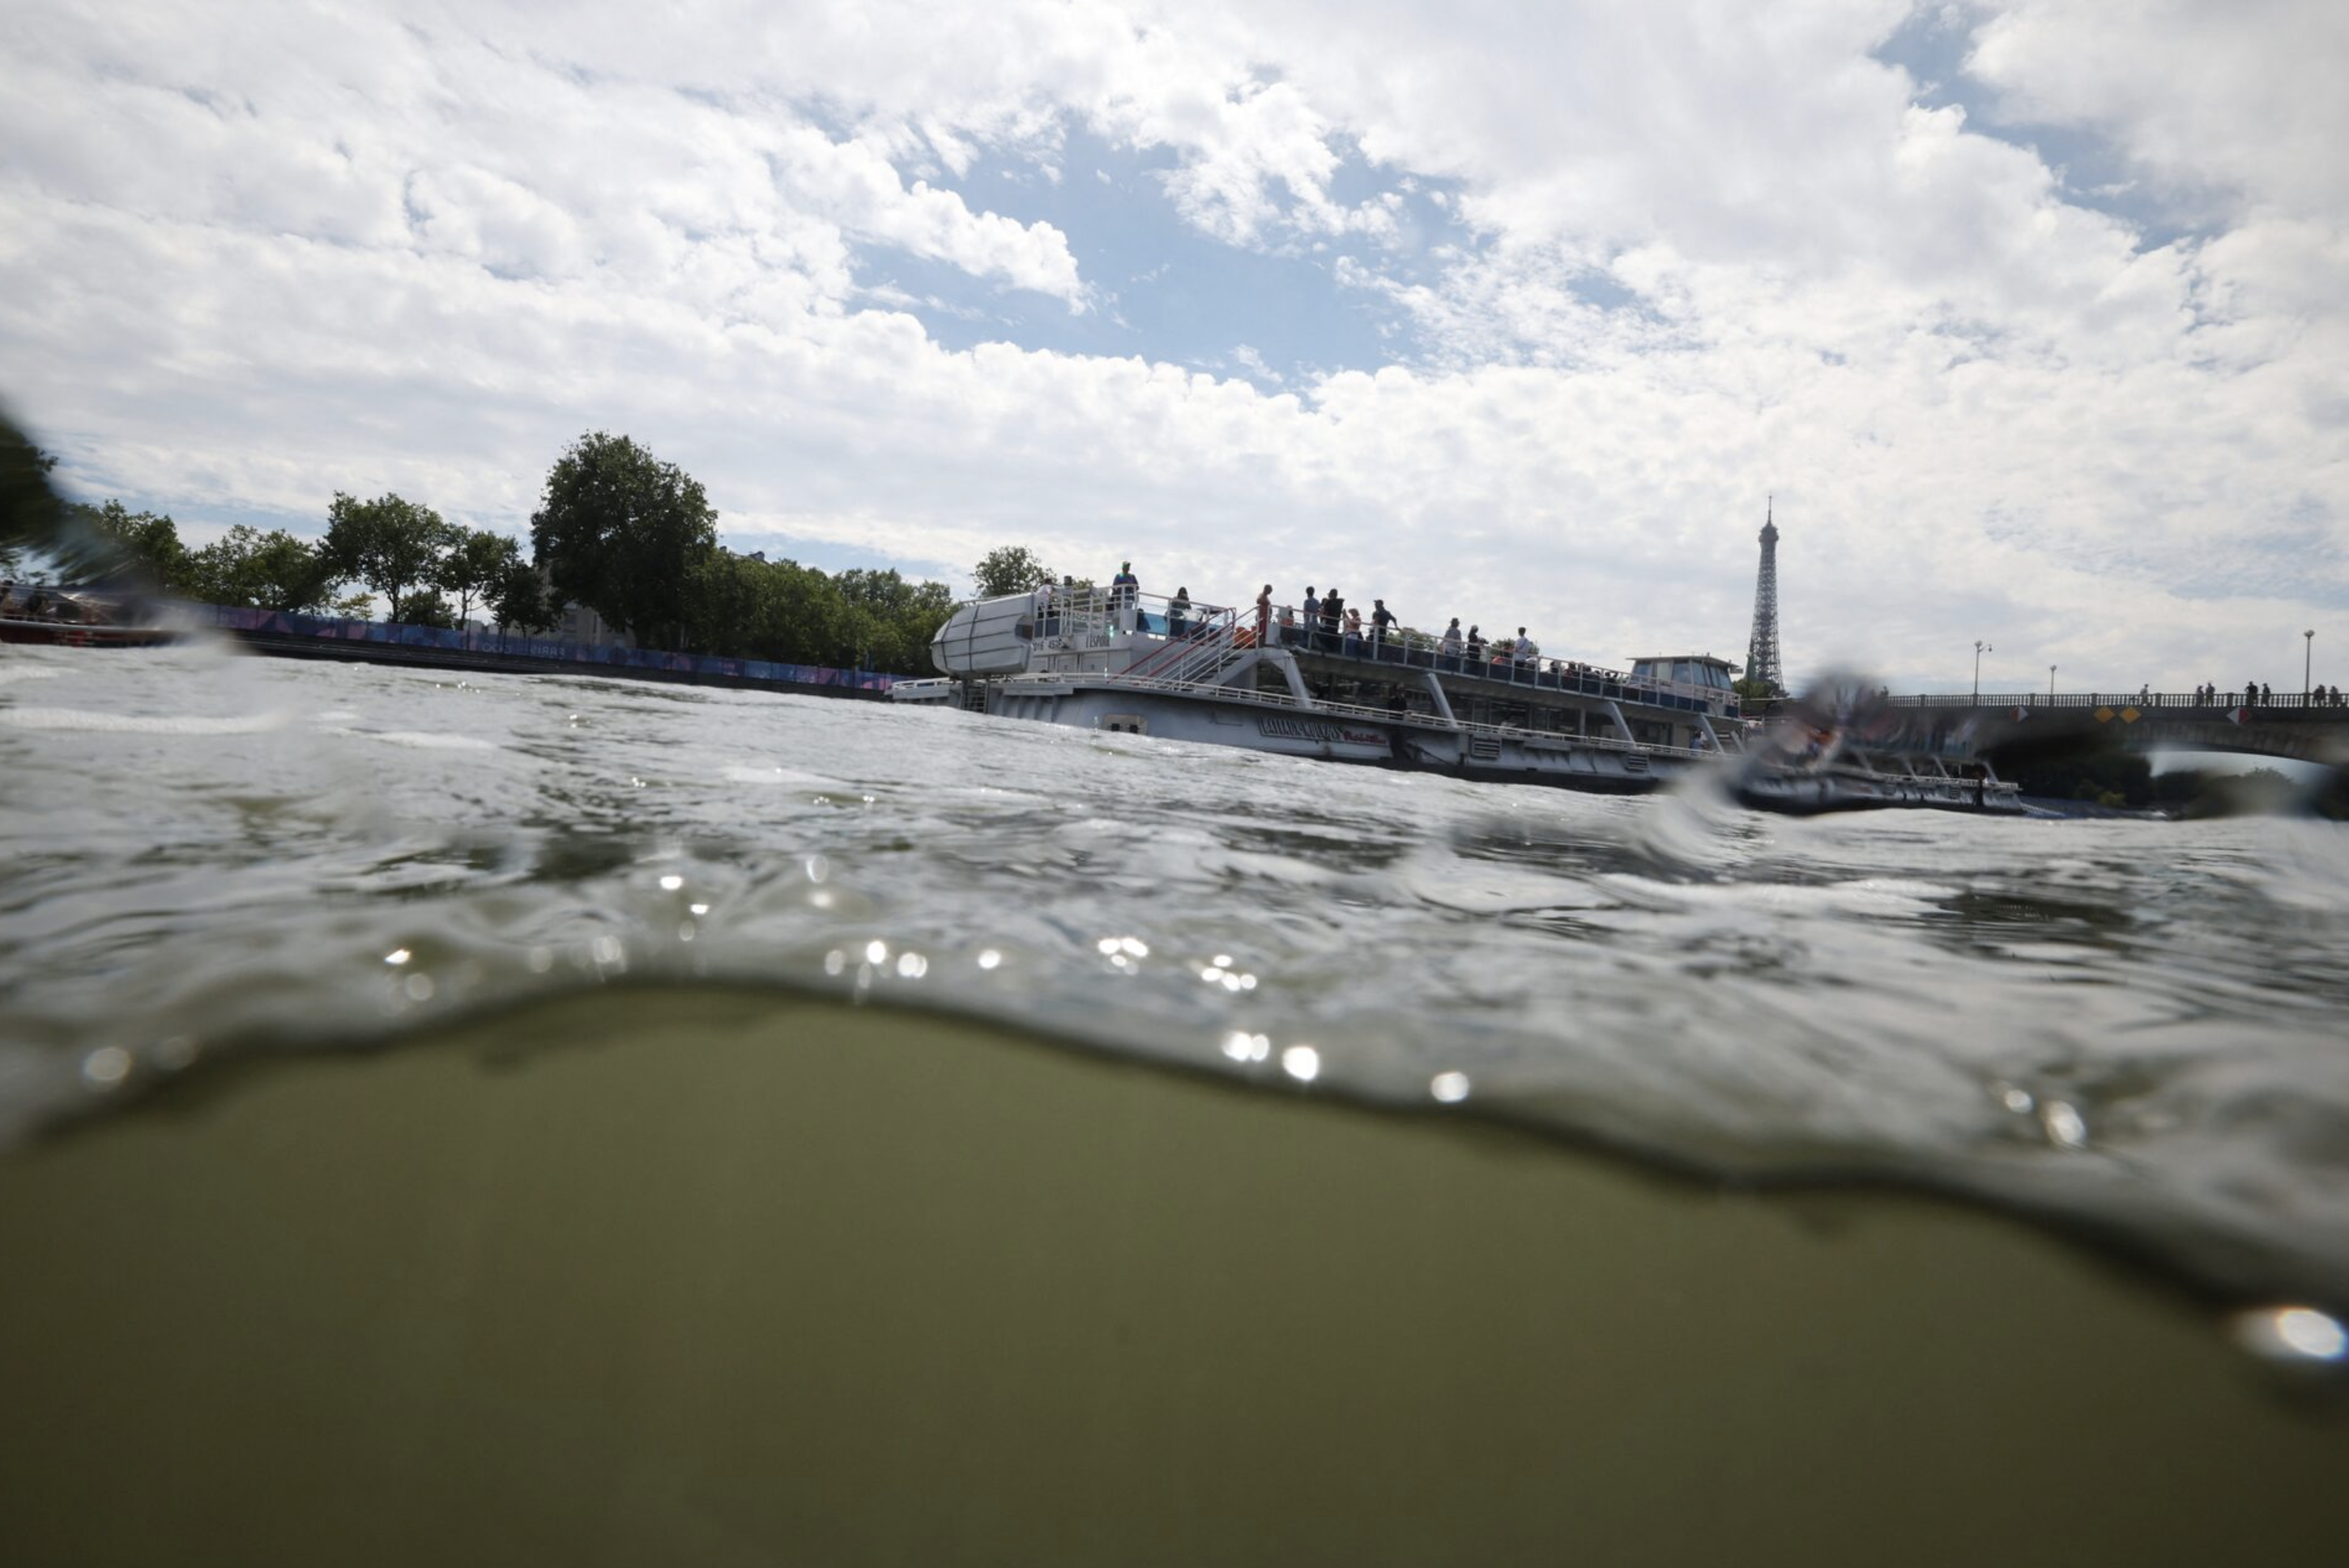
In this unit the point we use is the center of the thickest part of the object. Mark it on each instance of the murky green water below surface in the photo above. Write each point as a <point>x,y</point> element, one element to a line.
<point>464,1120</point>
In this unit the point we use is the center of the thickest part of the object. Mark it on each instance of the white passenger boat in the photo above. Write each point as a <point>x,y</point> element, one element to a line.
<point>1842,747</point>
<point>1136,663</point>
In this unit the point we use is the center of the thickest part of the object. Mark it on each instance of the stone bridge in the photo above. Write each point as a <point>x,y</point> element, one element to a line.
<point>2015,725</point>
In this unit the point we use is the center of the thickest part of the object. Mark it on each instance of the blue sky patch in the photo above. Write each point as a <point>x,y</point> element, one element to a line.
<point>1164,289</point>
<point>1932,43</point>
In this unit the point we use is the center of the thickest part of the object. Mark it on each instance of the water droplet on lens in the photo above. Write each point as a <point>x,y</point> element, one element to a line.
<point>912,966</point>
<point>834,962</point>
<point>671,882</point>
<point>2292,1334</point>
<point>2065,1127</point>
<point>105,1068</point>
<point>989,958</point>
<point>419,987</point>
<point>876,951</point>
<point>1302,1063</point>
<point>396,956</point>
<point>1450,1088</point>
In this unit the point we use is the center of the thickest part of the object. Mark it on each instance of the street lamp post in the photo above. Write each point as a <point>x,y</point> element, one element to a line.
<point>1981,648</point>
<point>2307,652</point>
<point>2050,683</point>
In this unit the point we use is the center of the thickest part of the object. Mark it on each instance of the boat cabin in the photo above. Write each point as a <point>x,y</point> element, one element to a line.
<point>1700,675</point>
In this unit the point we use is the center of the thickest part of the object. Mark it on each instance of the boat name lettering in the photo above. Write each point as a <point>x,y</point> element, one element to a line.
<point>1315,730</point>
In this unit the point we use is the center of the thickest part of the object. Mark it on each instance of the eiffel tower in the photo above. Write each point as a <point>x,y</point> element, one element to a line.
<point>1762,649</point>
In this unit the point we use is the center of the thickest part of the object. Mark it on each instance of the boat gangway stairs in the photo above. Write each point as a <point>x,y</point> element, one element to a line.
<point>1202,654</point>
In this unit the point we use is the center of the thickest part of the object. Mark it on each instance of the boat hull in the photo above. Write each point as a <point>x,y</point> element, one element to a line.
<point>1401,743</point>
<point>59,633</point>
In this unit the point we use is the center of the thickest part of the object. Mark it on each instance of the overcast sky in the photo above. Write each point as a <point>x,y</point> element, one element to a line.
<point>2033,317</point>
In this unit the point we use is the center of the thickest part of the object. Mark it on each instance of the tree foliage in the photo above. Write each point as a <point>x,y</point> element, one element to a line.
<point>477,564</point>
<point>272,570</point>
<point>744,606</point>
<point>520,598</point>
<point>890,620</point>
<point>1013,569</point>
<point>388,544</point>
<point>625,534</point>
<point>149,546</point>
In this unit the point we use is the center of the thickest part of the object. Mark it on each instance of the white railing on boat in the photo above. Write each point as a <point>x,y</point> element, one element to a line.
<point>1321,708</point>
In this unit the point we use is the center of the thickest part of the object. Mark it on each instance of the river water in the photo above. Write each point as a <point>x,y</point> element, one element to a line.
<point>2128,1030</point>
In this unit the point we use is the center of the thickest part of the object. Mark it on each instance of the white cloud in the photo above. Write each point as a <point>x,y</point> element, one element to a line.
<point>2238,105</point>
<point>1713,251</point>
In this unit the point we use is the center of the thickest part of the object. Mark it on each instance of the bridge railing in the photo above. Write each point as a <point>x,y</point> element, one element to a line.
<point>2187,702</point>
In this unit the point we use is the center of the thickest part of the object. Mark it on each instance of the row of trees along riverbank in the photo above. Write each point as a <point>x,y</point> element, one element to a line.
<point>618,530</point>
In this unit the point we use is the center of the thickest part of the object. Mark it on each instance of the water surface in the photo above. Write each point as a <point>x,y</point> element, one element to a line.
<point>2129,1028</point>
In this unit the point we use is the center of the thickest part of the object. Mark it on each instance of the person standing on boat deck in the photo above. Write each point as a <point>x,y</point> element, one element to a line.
<point>1333,612</point>
<point>1525,652</point>
<point>1310,613</point>
<point>1448,645</point>
<point>1263,616</point>
<point>1475,650</point>
<point>1124,590</point>
<point>1381,618</point>
<point>1178,613</point>
<point>1045,626</point>
<point>1353,632</point>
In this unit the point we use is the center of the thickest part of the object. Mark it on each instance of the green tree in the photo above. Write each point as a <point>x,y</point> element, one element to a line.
<point>425,608</point>
<point>726,606</point>
<point>891,620</point>
<point>272,570</point>
<point>150,544</point>
<point>389,545</point>
<point>521,598</point>
<point>621,531</point>
<point>1014,569</point>
<point>475,565</point>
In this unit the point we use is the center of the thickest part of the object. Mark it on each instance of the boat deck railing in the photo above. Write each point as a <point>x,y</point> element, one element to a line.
<point>1413,650</point>
<point>1204,639</point>
<point>1287,702</point>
